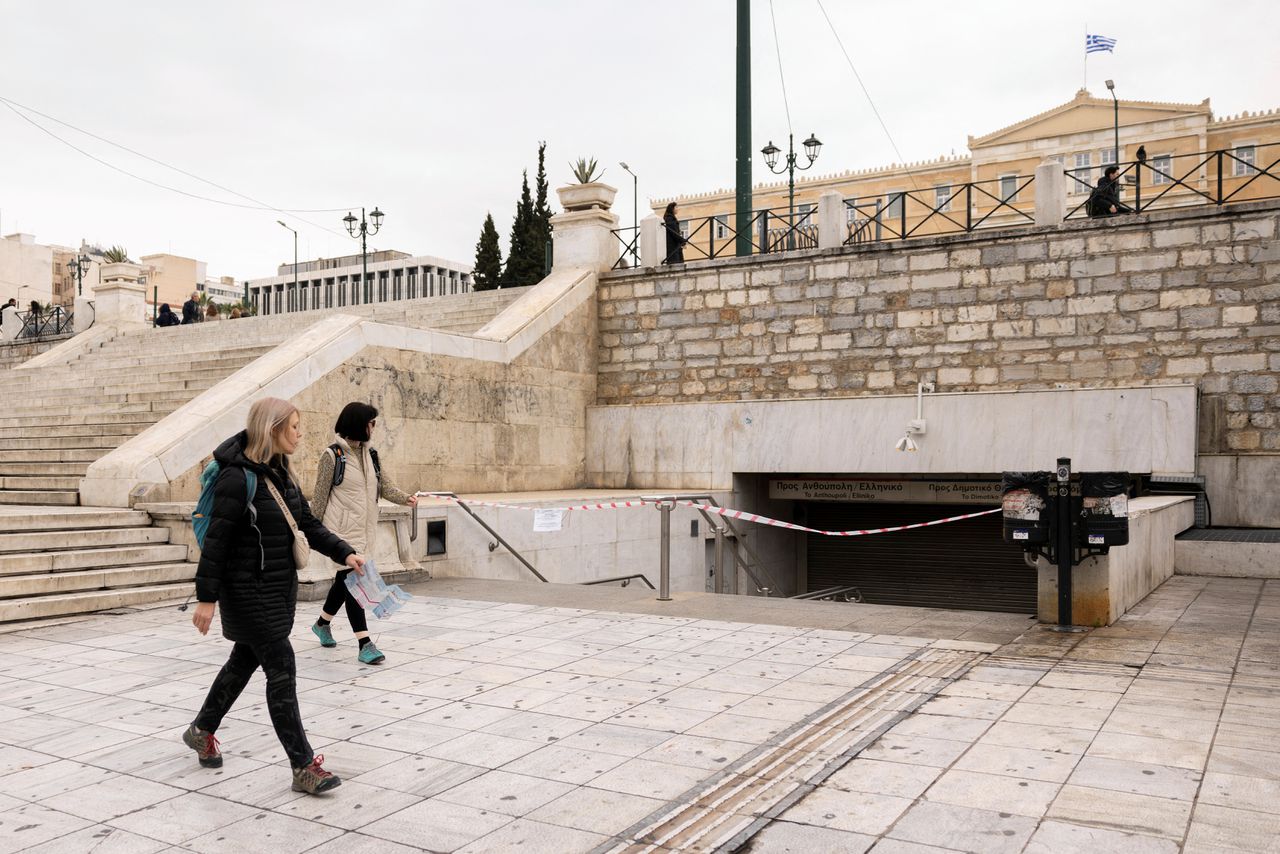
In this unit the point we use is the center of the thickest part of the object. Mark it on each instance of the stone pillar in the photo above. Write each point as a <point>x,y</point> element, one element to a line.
<point>120,300</point>
<point>831,220</point>
<point>653,241</point>
<point>1051,193</point>
<point>84,315</point>
<point>10,326</point>
<point>581,234</point>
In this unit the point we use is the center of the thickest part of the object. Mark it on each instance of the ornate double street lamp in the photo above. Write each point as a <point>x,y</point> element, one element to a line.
<point>362,228</point>
<point>812,146</point>
<point>78,267</point>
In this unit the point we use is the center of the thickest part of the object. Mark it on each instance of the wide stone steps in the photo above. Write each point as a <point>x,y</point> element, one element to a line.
<point>52,455</point>
<point>25,563</point>
<point>60,498</point>
<point>23,520</point>
<point>44,584</point>
<point>40,483</point>
<point>80,539</point>
<point>63,604</point>
<point>115,430</point>
<point>49,443</point>
<point>77,470</point>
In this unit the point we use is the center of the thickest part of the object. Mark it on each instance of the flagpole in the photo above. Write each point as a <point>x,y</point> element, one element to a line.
<point>1086,58</point>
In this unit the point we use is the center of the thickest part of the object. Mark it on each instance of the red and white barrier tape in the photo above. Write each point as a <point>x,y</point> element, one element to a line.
<point>723,511</point>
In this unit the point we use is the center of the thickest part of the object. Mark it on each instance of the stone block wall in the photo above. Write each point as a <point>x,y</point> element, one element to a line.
<point>1170,297</point>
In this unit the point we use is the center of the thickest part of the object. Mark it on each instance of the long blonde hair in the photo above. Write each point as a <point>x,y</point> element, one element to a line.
<point>265,418</point>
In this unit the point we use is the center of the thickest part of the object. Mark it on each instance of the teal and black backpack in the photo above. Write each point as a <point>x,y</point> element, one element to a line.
<point>204,507</point>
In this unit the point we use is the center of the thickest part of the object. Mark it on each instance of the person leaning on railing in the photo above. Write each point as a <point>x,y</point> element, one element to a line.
<point>675,240</point>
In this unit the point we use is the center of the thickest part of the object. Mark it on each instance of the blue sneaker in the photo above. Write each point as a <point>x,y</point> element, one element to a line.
<point>370,654</point>
<point>326,636</point>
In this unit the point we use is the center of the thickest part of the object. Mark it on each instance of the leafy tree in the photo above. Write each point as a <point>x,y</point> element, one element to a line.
<point>488,270</point>
<point>520,270</point>
<point>540,228</point>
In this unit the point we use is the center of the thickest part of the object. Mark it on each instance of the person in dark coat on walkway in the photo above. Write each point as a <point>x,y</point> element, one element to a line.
<point>166,317</point>
<point>191,309</point>
<point>1104,200</point>
<point>675,240</point>
<point>248,568</point>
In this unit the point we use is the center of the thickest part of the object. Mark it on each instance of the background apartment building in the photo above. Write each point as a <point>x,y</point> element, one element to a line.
<point>336,282</point>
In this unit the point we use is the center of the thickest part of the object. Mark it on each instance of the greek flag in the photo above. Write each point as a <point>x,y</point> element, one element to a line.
<point>1098,44</point>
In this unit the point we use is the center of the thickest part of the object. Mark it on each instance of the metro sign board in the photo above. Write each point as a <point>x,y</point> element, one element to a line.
<point>986,492</point>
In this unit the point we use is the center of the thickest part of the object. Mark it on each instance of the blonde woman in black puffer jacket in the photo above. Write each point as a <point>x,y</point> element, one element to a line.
<point>247,568</point>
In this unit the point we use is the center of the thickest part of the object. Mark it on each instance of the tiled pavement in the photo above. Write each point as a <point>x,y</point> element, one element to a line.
<point>504,721</point>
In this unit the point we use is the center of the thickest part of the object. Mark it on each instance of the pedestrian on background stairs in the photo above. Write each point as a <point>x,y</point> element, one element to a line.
<point>675,238</point>
<point>349,482</point>
<point>166,317</point>
<point>249,567</point>
<point>212,312</point>
<point>191,309</point>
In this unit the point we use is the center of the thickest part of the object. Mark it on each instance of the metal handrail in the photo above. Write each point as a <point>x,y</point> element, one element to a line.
<point>831,594</point>
<point>413,535</point>
<point>625,579</point>
<point>714,521</point>
<point>630,248</point>
<point>37,324</point>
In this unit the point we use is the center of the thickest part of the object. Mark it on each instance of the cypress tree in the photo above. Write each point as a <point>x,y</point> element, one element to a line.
<point>488,270</point>
<point>540,228</point>
<point>519,270</point>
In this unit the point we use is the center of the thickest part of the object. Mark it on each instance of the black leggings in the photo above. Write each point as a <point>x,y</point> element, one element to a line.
<point>340,595</point>
<point>277,662</point>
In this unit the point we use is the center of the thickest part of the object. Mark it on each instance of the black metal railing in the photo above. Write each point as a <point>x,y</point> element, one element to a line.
<point>629,239</point>
<point>1245,173</point>
<point>767,230</point>
<point>951,209</point>
<point>41,324</point>
<point>621,580</point>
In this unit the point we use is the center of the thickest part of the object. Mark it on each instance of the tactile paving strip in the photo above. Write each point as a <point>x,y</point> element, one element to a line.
<point>724,811</point>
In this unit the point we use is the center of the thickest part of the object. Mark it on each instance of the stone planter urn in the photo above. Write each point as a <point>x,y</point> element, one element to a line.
<point>585,197</point>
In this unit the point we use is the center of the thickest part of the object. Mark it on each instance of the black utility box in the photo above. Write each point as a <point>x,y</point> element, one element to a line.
<point>1025,500</point>
<point>1104,509</point>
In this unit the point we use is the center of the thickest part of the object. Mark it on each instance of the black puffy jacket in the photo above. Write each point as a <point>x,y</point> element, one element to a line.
<point>247,563</point>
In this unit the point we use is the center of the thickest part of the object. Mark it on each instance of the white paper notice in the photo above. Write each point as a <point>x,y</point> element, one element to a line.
<point>548,519</point>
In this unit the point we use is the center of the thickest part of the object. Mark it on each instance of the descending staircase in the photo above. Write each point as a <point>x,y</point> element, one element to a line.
<point>58,558</point>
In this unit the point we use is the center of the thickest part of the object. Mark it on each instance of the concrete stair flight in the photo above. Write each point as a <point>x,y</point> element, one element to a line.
<point>57,558</point>
<point>55,562</point>
<point>64,417</point>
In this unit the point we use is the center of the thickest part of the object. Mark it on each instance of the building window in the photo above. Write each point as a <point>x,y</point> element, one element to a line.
<point>806,214</point>
<point>722,226</point>
<point>1081,179</point>
<point>850,211</point>
<point>328,293</point>
<point>942,197</point>
<point>894,204</point>
<point>1009,188</point>
<point>1162,169</point>
<point>413,282</point>
<point>1246,160</point>
<point>1109,157</point>
<point>342,291</point>
<point>684,228</point>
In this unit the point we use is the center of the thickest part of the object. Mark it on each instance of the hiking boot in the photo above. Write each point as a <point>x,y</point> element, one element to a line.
<point>326,636</point>
<point>205,744</point>
<point>313,779</point>
<point>370,654</point>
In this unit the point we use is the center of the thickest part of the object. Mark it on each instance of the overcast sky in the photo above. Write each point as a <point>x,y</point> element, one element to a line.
<point>431,109</point>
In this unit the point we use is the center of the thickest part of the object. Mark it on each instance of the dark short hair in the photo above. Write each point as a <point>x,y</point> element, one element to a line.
<point>1110,170</point>
<point>353,422</point>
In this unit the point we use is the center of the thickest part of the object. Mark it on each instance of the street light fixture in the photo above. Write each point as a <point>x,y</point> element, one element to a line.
<point>635,215</point>
<point>1111,87</point>
<point>362,230</point>
<point>812,146</point>
<point>78,267</point>
<point>295,257</point>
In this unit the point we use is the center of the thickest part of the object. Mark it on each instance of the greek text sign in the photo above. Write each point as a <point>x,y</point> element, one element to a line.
<point>866,489</point>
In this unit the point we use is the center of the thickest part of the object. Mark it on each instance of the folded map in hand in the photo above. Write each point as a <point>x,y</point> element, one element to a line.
<point>374,594</point>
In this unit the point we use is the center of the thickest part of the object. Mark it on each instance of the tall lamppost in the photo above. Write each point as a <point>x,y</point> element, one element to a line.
<point>1111,87</point>
<point>635,216</point>
<point>295,258</point>
<point>363,228</point>
<point>78,267</point>
<point>812,146</point>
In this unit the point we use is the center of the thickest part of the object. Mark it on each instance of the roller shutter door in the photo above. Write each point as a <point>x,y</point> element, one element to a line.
<point>963,565</point>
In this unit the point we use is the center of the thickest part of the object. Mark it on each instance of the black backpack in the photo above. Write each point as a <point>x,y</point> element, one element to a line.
<point>340,464</point>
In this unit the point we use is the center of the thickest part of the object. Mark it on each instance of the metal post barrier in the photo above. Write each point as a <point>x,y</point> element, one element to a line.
<point>664,554</point>
<point>722,577</point>
<point>1064,544</point>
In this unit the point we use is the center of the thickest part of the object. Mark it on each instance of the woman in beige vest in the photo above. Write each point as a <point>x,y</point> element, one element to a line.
<point>349,483</point>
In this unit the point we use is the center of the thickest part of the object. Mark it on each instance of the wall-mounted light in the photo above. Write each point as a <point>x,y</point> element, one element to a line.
<point>916,426</point>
